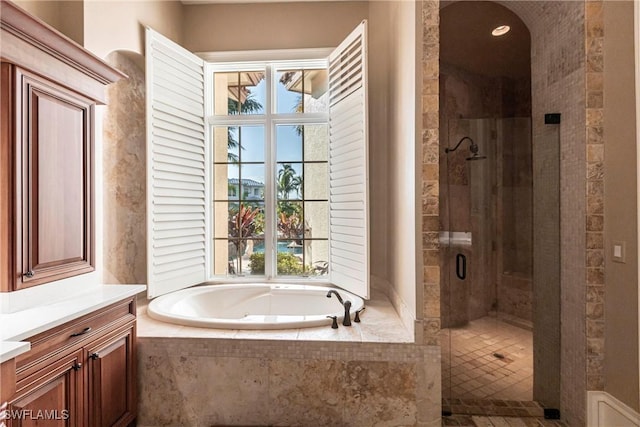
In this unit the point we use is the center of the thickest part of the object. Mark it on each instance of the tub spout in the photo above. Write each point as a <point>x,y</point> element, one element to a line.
<point>347,307</point>
<point>336,294</point>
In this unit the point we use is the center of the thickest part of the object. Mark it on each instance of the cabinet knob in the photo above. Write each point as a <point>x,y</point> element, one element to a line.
<point>94,356</point>
<point>77,366</point>
<point>29,274</point>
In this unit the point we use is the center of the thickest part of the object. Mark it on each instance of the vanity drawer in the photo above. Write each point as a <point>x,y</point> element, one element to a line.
<point>72,335</point>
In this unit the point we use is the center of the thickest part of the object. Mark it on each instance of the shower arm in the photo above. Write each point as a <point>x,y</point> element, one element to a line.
<point>471,148</point>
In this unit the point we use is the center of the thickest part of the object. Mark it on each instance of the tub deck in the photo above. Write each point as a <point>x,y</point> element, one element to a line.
<point>380,323</point>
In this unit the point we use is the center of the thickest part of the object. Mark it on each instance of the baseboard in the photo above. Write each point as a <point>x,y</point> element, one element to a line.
<point>604,410</point>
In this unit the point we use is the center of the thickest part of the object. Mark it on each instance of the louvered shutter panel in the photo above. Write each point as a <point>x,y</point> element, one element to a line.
<point>348,164</point>
<point>175,166</point>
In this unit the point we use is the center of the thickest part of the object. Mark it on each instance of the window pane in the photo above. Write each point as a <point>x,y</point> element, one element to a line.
<point>234,144</point>
<point>226,179</point>
<point>290,220</point>
<point>316,184</point>
<point>289,92</point>
<point>252,183</point>
<point>255,254</point>
<point>301,91</point>
<point>225,144</point>
<point>226,91</point>
<point>251,140</point>
<point>239,93</point>
<point>222,263</point>
<point>289,181</point>
<point>290,258</point>
<point>316,257</point>
<point>289,143</point>
<point>243,259</point>
<point>316,143</point>
<point>316,96</point>
<point>316,220</point>
<point>221,212</point>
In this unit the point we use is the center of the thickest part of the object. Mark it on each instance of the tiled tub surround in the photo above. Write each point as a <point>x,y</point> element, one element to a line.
<point>368,374</point>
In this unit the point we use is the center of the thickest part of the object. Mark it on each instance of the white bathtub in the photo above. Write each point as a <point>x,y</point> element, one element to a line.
<point>252,306</point>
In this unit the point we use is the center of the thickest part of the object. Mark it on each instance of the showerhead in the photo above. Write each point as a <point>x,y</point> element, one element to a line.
<point>473,147</point>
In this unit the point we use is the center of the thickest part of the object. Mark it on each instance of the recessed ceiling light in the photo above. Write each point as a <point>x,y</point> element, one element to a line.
<point>501,30</point>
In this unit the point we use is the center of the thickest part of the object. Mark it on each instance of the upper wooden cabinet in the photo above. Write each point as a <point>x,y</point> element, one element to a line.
<point>50,86</point>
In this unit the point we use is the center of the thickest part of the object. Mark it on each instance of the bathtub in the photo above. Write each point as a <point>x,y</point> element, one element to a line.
<point>252,306</point>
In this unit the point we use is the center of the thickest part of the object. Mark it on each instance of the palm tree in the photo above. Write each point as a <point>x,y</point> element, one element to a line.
<point>250,105</point>
<point>288,181</point>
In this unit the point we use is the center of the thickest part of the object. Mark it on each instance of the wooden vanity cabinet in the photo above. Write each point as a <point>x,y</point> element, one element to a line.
<point>53,160</point>
<point>50,86</point>
<point>81,373</point>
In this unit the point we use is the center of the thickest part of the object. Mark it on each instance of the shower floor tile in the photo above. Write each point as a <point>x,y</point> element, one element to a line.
<point>487,359</point>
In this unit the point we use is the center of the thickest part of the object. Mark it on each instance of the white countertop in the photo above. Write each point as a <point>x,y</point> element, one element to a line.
<point>19,325</point>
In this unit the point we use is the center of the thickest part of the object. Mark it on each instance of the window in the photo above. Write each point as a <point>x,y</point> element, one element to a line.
<point>279,143</point>
<point>271,182</point>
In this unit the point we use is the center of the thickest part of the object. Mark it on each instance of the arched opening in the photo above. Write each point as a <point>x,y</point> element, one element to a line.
<point>486,209</point>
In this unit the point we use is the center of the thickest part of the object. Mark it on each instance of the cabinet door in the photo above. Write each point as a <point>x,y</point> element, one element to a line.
<point>112,381</point>
<point>53,398</point>
<point>54,186</point>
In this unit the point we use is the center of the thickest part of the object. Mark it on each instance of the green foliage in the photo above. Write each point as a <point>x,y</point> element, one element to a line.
<point>288,264</point>
<point>256,263</point>
<point>288,182</point>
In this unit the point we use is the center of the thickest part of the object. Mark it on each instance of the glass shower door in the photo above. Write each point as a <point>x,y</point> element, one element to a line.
<point>468,206</point>
<point>487,258</point>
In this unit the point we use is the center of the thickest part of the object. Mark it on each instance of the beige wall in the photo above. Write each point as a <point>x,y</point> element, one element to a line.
<point>621,309</point>
<point>393,147</point>
<point>65,16</point>
<point>119,25</point>
<point>235,27</point>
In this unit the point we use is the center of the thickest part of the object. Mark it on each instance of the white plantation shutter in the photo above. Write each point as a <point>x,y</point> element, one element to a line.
<point>348,160</point>
<point>176,164</point>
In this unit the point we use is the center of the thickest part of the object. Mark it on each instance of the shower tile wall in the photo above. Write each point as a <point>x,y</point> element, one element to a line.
<point>595,195</point>
<point>558,85</point>
<point>496,210</point>
<point>430,17</point>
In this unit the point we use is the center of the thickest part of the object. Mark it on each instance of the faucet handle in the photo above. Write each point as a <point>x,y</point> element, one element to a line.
<point>334,324</point>
<point>357,318</point>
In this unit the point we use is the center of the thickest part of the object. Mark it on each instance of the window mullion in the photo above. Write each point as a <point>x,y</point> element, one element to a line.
<point>270,257</point>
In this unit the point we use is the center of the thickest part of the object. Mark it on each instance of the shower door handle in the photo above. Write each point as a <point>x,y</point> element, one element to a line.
<point>461,266</point>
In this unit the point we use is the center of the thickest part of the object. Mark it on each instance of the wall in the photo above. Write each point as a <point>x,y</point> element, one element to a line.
<point>259,26</point>
<point>64,16</point>
<point>124,163</point>
<point>119,25</point>
<point>392,72</point>
<point>620,204</point>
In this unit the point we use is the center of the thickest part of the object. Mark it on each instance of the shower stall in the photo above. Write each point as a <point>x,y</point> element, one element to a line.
<point>486,211</point>
<point>486,258</point>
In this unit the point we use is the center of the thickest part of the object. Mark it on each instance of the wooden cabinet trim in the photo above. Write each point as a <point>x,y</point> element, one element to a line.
<point>100,350</point>
<point>32,89</point>
<point>22,25</point>
<point>58,341</point>
<point>8,227</point>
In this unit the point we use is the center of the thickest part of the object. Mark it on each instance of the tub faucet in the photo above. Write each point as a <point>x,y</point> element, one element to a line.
<point>347,307</point>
